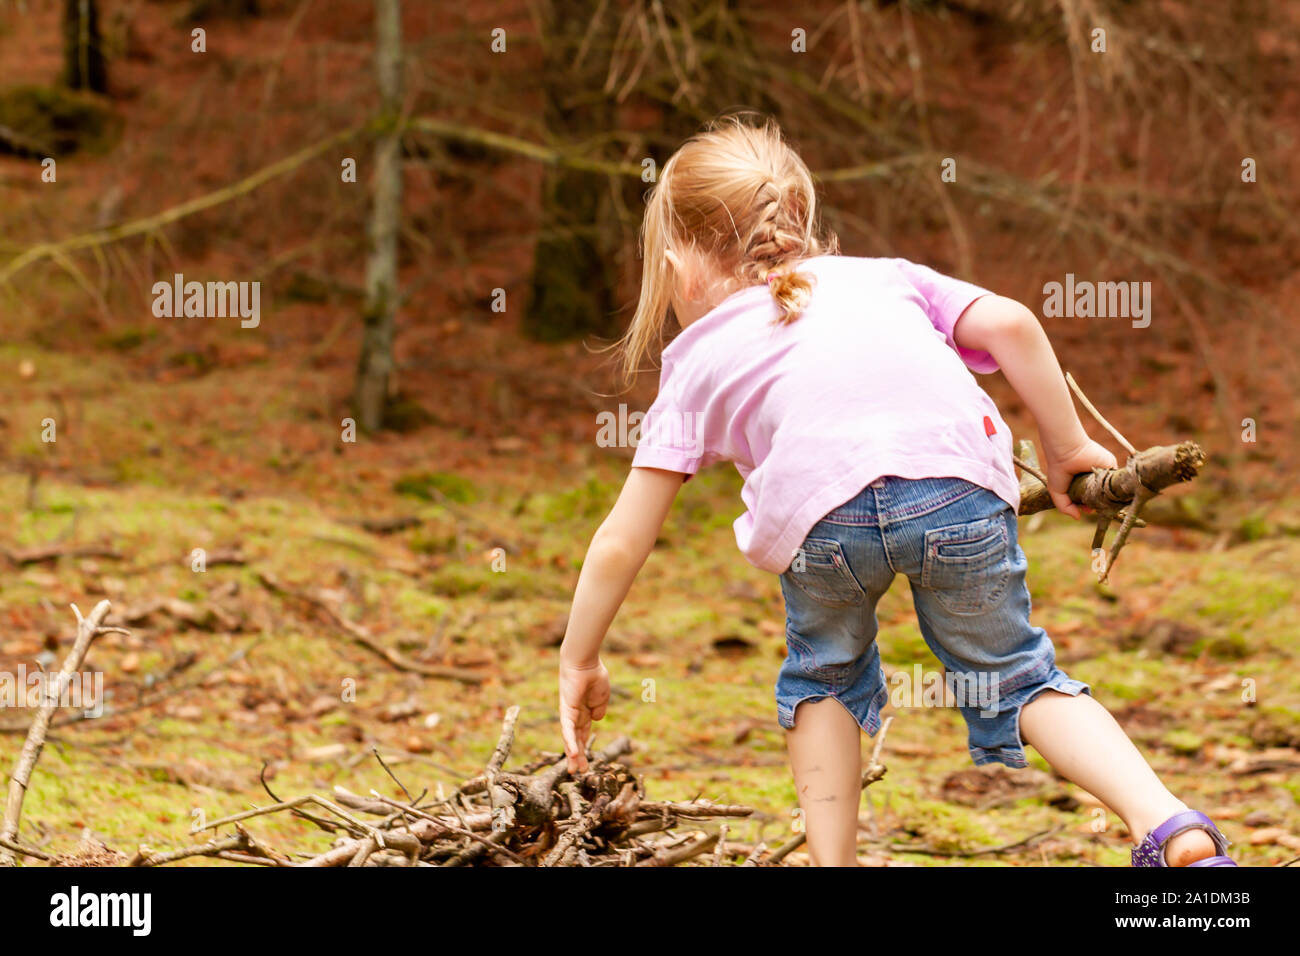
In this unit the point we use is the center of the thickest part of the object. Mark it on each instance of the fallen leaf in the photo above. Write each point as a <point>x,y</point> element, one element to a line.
<point>324,753</point>
<point>322,704</point>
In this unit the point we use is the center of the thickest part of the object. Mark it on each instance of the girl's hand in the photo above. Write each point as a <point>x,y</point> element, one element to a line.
<point>1061,468</point>
<point>618,549</point>
<point>584,695</point>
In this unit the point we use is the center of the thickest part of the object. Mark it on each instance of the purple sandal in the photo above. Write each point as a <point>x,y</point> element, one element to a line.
<point>1151,851</point>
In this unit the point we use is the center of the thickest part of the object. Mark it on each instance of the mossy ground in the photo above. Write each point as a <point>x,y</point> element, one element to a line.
<point>220,461</point>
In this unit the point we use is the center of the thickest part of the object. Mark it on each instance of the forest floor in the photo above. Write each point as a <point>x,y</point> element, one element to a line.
<point>176,435</point>
<point>1193,647</point>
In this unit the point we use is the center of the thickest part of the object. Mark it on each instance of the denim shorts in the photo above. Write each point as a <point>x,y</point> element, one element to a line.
<point>956,543</point>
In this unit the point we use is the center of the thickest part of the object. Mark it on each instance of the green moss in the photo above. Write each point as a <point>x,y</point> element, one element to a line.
<point>416,605</point>
<point>1126,678</point>
<point>1184,742</point>
<point>902,645</point>
<point>428,485</point>
<point>1234,594</point>
<point>1275,725</point>
<point>946,826</point>
<point>57,121</point>
<point>1253,527</point>
<point>1232,646</point>
<point>589,500</point>
<point>123,340</point>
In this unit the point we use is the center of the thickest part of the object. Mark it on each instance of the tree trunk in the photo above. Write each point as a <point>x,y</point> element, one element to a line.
<point>581,244</point>
<point>575,275</point>
<point>374,370</point>
<point>84,67</point>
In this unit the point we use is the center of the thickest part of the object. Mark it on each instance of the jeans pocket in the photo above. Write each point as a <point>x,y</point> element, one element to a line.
<point>967,565</point>
<point>820,571</point>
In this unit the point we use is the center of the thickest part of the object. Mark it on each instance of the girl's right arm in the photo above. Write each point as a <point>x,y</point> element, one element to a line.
<point>617,551</point>
<point>1011,333</point>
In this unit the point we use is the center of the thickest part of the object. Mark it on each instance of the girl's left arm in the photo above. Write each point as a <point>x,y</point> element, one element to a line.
<point>618,549</point>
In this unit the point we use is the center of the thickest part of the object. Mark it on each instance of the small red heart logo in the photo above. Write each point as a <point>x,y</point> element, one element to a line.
<point>988,427</point>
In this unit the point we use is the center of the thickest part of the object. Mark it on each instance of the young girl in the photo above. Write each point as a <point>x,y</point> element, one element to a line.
<point>840,389</point>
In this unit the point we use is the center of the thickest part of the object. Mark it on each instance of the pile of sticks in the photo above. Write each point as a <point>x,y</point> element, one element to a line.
<point>539,815</point>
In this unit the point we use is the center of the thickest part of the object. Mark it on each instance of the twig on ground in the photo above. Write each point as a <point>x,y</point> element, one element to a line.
<point>984,851</point>
<point>88,628</point>
<point>359,636</point>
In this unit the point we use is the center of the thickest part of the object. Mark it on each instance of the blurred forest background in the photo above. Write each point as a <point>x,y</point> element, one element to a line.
<point>453,300</point>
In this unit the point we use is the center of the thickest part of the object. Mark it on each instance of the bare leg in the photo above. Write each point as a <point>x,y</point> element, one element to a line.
<point>1084,743</point>
<point>826,758</point>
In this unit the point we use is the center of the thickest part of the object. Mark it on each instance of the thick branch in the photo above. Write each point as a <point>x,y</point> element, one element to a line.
<point>1106,491</point>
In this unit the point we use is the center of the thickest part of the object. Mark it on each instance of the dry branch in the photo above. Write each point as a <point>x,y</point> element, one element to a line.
<point>1118,492</point>
<point>359,636</point>
<point>1110,492</point>
<point>151,224</point>
<point>52,552</point>
<point>983,851</point>
<point>88,628</point>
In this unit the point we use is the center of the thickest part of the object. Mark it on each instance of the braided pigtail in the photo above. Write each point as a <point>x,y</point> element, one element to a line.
<point>781,235</point>
<point>739,197</point>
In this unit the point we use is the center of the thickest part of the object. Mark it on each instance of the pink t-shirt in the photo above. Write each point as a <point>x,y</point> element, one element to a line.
<point>867,382</point>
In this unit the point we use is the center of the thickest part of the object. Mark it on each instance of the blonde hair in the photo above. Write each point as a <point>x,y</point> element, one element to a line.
<point>738,194</point>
